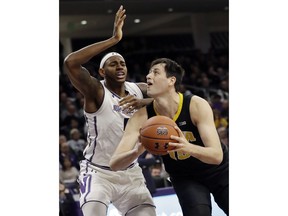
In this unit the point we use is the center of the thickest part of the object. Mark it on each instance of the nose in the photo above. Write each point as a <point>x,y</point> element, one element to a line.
<point>119,66</point>
<point>148,76</point>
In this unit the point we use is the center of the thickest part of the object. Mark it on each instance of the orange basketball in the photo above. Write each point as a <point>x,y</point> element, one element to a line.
<point>155,134</point>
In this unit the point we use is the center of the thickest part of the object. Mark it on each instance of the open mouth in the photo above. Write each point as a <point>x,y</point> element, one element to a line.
<point>120,74</point>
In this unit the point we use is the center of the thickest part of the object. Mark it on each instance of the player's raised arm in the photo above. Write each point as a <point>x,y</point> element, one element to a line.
<point>80,76</point>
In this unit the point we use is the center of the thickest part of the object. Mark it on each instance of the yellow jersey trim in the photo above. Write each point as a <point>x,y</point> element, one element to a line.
<point>180,105</point>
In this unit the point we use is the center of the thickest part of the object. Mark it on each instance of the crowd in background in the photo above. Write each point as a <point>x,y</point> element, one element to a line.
<point>206,75</point>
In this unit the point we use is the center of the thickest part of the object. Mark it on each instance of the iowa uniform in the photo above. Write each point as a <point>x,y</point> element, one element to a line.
<point>192,179</point>
<point>125,189</point>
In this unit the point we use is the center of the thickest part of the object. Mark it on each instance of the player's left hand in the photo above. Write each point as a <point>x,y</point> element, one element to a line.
<point>130,102</point>
<point>183,145</point>
<point>118,23</point>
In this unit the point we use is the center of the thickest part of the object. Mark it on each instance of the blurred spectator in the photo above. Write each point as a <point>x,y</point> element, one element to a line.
<point>63,100</point>
<point>219,120</point>
<point>216,102</point>
<point>223,135</point>
<point>71,124</point>
<point>225,109</point>
<point>68,173</point>
<point>205,81</point>
<point>194,76</point>
<point>213,76</point>
<point>224,85</point>
<point>62,139</point>
<point>67,203</point>
<point>67,152</point>
<point>66,106</point>
<point>184,90</point>
<point>157,177</point>
<point>70,112</point>
<point>76,142</point>
<point>146,160</point>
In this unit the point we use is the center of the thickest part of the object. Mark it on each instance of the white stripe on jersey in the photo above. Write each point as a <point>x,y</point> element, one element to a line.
<point>106,126</point>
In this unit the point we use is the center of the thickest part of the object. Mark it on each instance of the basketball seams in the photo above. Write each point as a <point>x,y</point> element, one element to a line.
<point>155,138</point>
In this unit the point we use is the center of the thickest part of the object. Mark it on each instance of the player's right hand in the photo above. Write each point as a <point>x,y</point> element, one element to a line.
<point>140,149</point>
<point>130,103</point>
<point>118,23</point>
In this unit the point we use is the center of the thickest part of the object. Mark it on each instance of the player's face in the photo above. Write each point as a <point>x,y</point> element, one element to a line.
<point>157,80</point>
<point>115,69</point>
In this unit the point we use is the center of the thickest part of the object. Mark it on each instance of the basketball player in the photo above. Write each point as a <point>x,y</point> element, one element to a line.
<point>105,119</point>
<point>199,164</point>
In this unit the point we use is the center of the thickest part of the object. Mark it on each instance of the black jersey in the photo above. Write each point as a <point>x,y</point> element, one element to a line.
<point>177,164</point>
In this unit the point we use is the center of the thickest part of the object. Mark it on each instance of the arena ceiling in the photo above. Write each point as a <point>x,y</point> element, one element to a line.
<point>157,16</point>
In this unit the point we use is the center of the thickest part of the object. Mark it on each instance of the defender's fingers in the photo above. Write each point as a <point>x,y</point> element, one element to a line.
<point>125,100</point>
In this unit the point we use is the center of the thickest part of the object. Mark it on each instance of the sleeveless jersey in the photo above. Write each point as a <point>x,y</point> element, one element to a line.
<point>179,164</point>
<point>105,127</point>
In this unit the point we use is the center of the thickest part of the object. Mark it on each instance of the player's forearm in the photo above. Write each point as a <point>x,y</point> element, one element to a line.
<point>121,161</point>
<point>83,55</point>
<point>146,101</point>
<point>207,155</point>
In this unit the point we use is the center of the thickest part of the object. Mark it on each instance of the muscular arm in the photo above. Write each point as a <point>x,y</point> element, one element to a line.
<point>204,121</point>
<point>79,76</point>
<point>202,117</point>
<point>129,149</point>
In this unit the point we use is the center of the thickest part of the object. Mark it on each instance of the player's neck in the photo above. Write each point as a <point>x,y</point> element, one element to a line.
<point>167,105</point>
<point>117,89</point>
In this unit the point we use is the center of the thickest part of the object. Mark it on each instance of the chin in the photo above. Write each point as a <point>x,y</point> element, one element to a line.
<point>121,80</point>
<point>149,93</point>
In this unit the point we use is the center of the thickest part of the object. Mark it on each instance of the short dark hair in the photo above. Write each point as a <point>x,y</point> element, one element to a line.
<point>172,68</point>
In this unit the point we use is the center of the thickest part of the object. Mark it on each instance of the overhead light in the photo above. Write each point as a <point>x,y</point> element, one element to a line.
<point>170,9</point>
<point>137,20</point>
<point>83,22</point>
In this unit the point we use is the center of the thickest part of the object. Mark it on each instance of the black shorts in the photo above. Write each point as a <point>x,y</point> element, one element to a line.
<point>193,192</point>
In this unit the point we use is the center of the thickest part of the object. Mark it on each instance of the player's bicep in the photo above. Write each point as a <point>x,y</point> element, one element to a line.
<point>205,123</point>
<point>82,80</point>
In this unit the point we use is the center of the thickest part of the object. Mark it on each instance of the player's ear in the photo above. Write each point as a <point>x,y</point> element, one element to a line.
<point>172,80</point>
<point>101,71</point>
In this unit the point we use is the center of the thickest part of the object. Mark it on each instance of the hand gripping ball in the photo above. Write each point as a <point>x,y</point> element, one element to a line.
<point>155,134</point>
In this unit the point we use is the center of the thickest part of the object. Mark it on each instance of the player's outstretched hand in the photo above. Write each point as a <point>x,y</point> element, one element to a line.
<point>130,102</point>
<point>118,23</point>
<point>183,145</point>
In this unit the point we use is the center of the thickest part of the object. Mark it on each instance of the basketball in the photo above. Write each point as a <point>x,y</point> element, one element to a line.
<point>155,134</point>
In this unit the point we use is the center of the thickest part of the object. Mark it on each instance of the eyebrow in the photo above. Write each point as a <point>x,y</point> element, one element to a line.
<point>115,61</point>
<point>156,68</point>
